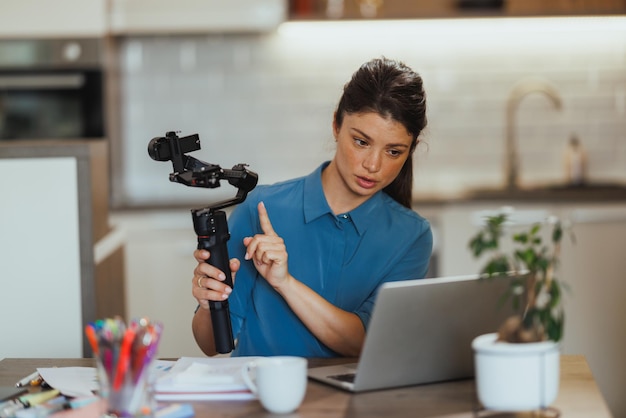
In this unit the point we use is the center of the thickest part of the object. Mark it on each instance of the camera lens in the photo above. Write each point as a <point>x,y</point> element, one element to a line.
<point>157,149</point>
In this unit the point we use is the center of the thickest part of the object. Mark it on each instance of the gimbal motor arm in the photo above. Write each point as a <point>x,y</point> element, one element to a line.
<point>193,172</point>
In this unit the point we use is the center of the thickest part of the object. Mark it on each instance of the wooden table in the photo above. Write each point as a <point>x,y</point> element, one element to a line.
<point>579,396</point>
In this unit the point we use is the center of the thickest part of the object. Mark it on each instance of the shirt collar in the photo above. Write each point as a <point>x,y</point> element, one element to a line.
<point>315,204</point>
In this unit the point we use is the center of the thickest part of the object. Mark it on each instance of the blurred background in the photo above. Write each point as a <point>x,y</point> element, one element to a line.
<point>511,86</point>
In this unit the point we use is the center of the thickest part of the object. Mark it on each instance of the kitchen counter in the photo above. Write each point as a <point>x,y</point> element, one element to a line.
<point>559,193</point>
<point>596,193</point>
<point>586,193</point>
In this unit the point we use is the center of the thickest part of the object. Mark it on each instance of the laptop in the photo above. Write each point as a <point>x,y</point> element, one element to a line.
<point>421,332</point>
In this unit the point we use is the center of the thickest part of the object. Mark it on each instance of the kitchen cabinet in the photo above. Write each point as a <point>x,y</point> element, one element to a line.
<point>94,18</point>
<point>401,9</point>
<point>189,16</point>
<point>593,268</point>
<point>53,19</point>
<point>40,274</point>
<point>62,264</point>
<point>565,7</point>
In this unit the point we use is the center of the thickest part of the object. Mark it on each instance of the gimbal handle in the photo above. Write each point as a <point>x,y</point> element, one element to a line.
<point>211,228</point>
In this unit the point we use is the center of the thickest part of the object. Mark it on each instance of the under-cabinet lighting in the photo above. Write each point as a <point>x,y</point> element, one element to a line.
<point>405,31</point>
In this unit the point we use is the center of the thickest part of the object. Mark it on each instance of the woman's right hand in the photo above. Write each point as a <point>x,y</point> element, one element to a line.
<point>208,281</point>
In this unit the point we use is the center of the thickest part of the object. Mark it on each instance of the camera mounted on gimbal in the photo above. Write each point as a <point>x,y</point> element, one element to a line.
<point>209,223</point>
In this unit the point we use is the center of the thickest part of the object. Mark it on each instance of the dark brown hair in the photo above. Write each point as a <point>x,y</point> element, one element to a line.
<point>393,90</point>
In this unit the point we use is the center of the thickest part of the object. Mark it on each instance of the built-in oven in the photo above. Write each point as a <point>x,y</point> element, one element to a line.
<point>51,89</point>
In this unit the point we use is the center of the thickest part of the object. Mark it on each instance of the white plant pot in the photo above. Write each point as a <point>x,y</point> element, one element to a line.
<point>515,377</point>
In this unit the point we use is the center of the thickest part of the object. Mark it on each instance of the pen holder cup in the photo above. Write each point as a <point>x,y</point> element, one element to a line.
<point>125,357</point>
<point>131,396</point>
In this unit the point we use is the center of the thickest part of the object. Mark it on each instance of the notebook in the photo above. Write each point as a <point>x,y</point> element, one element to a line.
<point>421,332</point>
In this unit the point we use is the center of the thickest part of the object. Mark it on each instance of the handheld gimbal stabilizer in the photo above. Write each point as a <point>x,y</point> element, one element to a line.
<point>209,223</point>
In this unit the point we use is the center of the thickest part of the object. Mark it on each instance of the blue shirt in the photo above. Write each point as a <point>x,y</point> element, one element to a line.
<point>344,258</point>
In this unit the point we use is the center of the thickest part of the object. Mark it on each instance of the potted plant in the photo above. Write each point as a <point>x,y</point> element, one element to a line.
<point>517,367</point>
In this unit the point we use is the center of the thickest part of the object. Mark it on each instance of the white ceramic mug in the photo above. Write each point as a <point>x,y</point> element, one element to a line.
<point>279,382</point>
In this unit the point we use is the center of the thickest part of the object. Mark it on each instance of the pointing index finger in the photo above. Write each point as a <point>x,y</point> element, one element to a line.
<point>264,219</point>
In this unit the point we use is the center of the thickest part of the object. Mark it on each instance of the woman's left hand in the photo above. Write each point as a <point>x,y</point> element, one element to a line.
<point>268,251</point>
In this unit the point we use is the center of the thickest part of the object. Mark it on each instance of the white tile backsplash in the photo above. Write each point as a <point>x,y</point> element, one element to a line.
<point>268,99</point>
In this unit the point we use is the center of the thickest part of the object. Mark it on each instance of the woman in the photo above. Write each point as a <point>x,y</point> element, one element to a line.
<point>309,254</point>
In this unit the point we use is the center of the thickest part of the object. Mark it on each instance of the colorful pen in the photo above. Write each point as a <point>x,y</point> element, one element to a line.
<point>26,381</point>
<point>11,408</point>
<point>124,358</point>
<point>36,381</point>
<point>54,405</point>
<point>37,398</point>
<point>43,410</point>
<point>90,331</point>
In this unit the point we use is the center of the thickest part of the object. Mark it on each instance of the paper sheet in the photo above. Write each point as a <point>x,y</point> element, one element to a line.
<point>188,378</point>
<point>204,378</point>
<point>71,381</point>
<point>83,381</point>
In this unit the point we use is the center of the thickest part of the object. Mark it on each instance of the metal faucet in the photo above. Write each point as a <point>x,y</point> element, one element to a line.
<point>519,91</point>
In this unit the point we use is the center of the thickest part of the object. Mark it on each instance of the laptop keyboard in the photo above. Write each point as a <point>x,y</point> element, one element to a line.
<point>348,377</point>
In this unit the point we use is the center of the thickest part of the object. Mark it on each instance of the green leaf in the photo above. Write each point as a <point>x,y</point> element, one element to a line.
<point>476,245</point>
<point>557,233</point>
<point>534,229</point>
<point>521,237</point>
<point>527,257</point>
<point>496,266</point>
<point>555,294</point>
<point>554,328</point>
<point>542,264</point>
